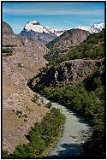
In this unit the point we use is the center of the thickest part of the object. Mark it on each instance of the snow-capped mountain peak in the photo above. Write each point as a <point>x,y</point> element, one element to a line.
<point>92,29</point>
<point>36,31</point>
<point>56,31</point>
<point>37,27</point>
<point>97,27</point>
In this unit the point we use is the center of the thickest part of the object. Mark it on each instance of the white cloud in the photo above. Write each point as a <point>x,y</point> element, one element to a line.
<point>51,12</point>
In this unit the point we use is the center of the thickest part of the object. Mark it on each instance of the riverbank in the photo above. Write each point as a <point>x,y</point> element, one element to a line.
<point>87,100</point>
<point>41,137</point>
<point>76,131</point>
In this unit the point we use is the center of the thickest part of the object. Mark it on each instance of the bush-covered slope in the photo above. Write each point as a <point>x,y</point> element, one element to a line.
<point>40,136</point>
<point>88,100</point>
<point>92,47</point>
<point>67,41</point>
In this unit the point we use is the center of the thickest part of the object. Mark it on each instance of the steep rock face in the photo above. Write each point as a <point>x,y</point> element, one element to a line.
<point>22,64</point>
<point>67,41</point>
<point>41,37</point>
<point>69,72</point>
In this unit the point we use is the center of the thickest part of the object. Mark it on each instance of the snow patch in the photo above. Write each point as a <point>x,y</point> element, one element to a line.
<point>95,28</point>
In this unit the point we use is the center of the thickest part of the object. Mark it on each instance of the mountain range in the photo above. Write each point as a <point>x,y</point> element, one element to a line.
<point>35,31</point>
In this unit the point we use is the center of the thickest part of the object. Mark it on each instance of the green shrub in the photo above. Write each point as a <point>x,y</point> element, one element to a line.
<point>25,115</point>
<point>19,112</point>
<point>7,51</point>
<point>8,45</point>
<point>25,120</point>
<point>23,151</point>
<point>87,98</point>
<point>41,135</point>
<point>19,65</point>
<point>35,98</point>
<point>5,154</point>
<point>49,105</point>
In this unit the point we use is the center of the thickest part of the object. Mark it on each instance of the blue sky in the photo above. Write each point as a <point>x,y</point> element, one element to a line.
<point>60,15</point>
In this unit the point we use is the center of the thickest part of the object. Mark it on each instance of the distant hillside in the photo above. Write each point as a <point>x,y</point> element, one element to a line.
<point>7,29</point>
<point>67,41</point>
<point>92,47</point>
<point>21,43</point>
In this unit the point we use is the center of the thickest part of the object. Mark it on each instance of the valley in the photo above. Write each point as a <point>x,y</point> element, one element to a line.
<point>65,67</point>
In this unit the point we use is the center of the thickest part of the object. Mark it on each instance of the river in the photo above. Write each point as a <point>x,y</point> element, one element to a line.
<point>76,131</point>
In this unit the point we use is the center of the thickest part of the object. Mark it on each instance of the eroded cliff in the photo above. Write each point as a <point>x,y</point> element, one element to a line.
<point>69,72</point>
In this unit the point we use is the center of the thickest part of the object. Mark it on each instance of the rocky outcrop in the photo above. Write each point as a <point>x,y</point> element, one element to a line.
<point>69,72</point>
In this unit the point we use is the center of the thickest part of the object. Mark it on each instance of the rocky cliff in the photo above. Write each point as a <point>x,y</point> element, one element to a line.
<point>69,72</point>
